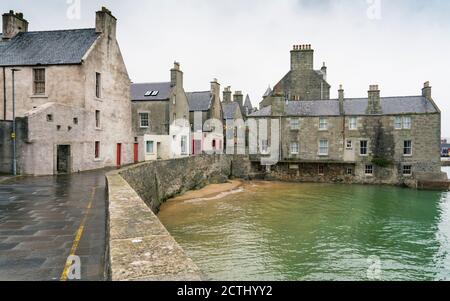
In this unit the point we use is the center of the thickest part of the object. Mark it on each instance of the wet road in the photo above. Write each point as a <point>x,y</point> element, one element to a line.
<point>43,220</point>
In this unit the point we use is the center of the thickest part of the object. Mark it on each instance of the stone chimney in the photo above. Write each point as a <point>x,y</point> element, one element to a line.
<point>227,94</point>
<point>105,23</point>
<point>302,58</point>
<point>13,23</point>
<point>341,100</point>
<point>239,98</point>
<point>176,76</point>
<point>278,105</point>
<point>324,71</point>
<point>374,103</point>
<point>215,89</point>
<point>426,91</point>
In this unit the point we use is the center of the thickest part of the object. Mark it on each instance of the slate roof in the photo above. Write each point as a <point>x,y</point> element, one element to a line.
<point>138,91</point>
<point>229,109</point>
<point>248,103</point>
<point>59,47</point>
<point>354,106</point>
<point>268,92</point>
<point>199,101</point>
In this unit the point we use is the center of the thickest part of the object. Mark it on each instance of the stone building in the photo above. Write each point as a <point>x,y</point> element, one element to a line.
<point>302,82</point>
<point>160,118</point>
<point>233,117</point>
<point>72,97</point>
<point>248,107</point>
<point>383,140</point>
<point>205,117</point>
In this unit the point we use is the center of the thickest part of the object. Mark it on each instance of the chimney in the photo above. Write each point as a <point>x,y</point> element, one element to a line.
<point>105,23</point>
<point>278,105</point>
<point>239,98</point>
<point>302,58</point>
<point>324,71</point>
<point>227,94</point>
<point>374,104</point>
<point>215,89</point>
<point>426,91</point>
<point>13,23</point>
<point>176,76</point>
<point>341,99</point>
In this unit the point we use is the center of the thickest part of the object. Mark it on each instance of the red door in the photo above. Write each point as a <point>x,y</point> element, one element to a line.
<point>119,154</point>
<point>136,153</point>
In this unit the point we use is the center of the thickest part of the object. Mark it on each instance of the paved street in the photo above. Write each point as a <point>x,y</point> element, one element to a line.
<point>43,220</point>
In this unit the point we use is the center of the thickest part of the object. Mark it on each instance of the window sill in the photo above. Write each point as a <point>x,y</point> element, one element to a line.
<point>98,99</point>
<point>39,96</point>
<point>323,130</point>
<point>369,175</point>
<point>407,156</point>
<point>323,155</point>
<point>98,160</point>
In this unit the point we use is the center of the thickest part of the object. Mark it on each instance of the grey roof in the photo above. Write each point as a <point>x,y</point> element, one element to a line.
<point>138,91</point>
<point>59,47</point>
<point>199,101</point>
<point>229,109</point>
<point>248,103</point>
<point>268,92</point>
<point>354,106</point>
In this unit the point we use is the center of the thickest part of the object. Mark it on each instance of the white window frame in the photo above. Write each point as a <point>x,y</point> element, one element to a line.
<point>264,146</point>
<point>294,148</point>
<point>153,147</point>
<point>410,148</point>
<point>294,124</point>
<point>140,120</point>
<point>349,171</point>
<point>361,148</point>
<point>323,124</point>
<point>327,147</point>
<point>398,123</point>
<point>353,123</point>
<point>406,122</point>
<point>404,169</point>
<point>366,169</point>
<point>184,145</point>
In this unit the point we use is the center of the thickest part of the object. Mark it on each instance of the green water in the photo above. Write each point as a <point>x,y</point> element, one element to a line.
<point>281,231</point>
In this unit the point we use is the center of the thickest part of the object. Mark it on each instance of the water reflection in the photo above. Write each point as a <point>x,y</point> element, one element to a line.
<point>281,231</point>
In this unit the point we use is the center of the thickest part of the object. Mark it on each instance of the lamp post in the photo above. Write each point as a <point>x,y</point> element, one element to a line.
<point>13,135</point>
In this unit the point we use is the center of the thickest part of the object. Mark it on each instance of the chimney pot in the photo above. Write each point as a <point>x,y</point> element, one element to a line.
<point>13,23</point>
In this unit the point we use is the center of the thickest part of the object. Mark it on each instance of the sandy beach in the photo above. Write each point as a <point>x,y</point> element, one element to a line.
<point>210,191</point>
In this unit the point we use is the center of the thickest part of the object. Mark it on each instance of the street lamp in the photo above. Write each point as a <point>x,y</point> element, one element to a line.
<point>13,135</point>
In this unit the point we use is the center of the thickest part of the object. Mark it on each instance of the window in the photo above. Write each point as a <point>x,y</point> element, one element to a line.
<point>295,124</point>
<point>323,124</point>
<point>264,146</point>
<point>58,127</point>
<point>369,170</point>
<point>349,171</point>
<point>144,120</point>
<point>148,93</point>
<point>404,123</point>
<point>407,123</point>
<point>75,120</point>
<point>97,149</point>
<point>353,123</point>
<point>154,93</point>
<point>149,147</point>
<point>39,81</point>
<point>323,147</point>
<point>349,144</point>
<point>321,170</point>
<point>398,123</point>
<point>183,145</point>
<point>294,148</point>
<point>98,85</point>
<point>407,148</point>
<point>407,170</point>
<point>97,119</point>
<point>363,150</point>
<point>49,117</point>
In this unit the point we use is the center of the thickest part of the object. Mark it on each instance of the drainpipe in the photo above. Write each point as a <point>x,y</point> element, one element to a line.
<point>4,93</point>
<point>14,124</point>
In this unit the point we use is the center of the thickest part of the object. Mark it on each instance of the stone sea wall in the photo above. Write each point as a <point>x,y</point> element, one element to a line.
<point>140,247</point>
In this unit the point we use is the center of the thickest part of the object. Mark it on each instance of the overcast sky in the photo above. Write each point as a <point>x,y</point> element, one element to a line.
<point>398,44</point>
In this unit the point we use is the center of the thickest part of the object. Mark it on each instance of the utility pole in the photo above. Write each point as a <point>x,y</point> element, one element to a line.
<point>13,135</point>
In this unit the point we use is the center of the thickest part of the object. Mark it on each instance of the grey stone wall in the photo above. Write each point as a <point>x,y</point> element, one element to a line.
<point>6,146</point>
<point>158,181</point>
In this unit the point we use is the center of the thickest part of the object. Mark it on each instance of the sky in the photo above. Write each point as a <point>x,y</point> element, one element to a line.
<point>245,44</point>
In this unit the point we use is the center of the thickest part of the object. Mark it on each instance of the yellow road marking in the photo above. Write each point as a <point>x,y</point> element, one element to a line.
<point>77,239</point>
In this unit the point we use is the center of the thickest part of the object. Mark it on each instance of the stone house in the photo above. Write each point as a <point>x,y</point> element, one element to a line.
<point>160,118</point>
<point>302,82</point>
<point>248,107</point>
<point>233,117</point>
<point>378,140</point>
<point>72,97</point>
<point>205,117</point>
